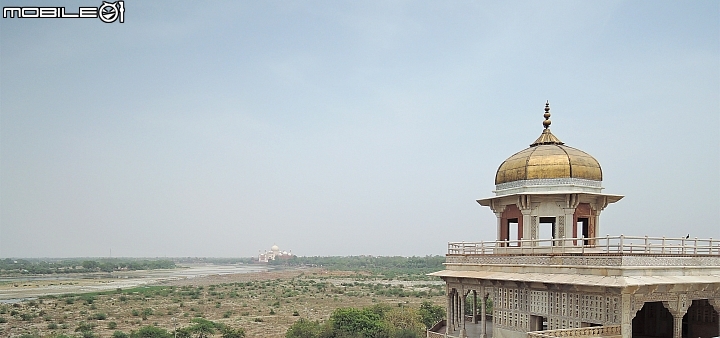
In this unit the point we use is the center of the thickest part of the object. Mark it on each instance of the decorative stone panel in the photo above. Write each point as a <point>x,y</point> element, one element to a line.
<point>549,181</point>
<point>563,310</point>
<point>533,227</point>
<point>587,260</point>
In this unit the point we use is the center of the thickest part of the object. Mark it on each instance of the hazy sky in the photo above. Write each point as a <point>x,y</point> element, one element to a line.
<point>344,127</point>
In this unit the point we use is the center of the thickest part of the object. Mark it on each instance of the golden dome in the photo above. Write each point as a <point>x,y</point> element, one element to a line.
<point>549,161</point>
<point>548,158</point>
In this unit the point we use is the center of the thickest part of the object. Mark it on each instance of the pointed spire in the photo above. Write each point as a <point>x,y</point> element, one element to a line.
<point>547,121</point>
<point>546,137</point>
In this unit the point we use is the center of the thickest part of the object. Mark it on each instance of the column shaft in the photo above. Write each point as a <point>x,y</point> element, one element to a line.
<point>483,306</point>
<point>458,314</point>
<point>448,314</point>
<point>527,226</point>
<point>569,224</point>
<point>474,307</point>
<point>677,326</point>
<point>462,312</point>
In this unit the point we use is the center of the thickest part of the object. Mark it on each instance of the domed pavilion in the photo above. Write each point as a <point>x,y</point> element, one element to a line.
<point>550,273</point>
<point>549,190</point>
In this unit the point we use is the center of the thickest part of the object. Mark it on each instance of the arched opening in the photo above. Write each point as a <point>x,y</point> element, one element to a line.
<point>653,320</point>
<point>584,226</point>
<point>547,229</point>
<point>511,226</point>
<point>701,320</point>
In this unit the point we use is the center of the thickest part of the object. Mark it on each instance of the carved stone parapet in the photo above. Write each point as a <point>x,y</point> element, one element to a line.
<point>586,260</point>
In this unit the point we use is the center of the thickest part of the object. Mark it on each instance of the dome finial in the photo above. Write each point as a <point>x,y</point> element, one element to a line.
<point>547,122</point>
<point>546,137</point>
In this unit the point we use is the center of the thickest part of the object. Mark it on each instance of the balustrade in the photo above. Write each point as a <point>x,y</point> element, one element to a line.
<point>617,245</point>
<point>595,331</point>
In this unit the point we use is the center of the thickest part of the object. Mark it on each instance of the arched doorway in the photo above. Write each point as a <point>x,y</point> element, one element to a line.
<point>701,320</point>
<point>653,320</point>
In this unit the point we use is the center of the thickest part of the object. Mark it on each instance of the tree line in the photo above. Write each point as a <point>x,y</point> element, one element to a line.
<point>390,267</point>
<point>39,266</point>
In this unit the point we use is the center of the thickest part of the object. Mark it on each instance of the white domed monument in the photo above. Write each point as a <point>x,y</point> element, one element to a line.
<point>273,254</point>
<point>551,274</point>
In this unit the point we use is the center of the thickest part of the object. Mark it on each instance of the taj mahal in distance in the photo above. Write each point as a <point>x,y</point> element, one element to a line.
<point>550,273</point>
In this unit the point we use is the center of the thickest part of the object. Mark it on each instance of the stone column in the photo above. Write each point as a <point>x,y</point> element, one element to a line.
<point>559,233</point>
<point>448,314</point>
<point>474,307</point>
<point>569,224</point>
<point>499,225</point>
<point>483,306</point>
<point>677,309</point>
<point>528,232</point>
<point>597,224</point>
<point>456,305</point>
<point>626,316</point>
<point>462,312</point>
<point>454,310</point>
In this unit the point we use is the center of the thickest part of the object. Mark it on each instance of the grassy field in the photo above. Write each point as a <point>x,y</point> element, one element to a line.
<point>263,304</point>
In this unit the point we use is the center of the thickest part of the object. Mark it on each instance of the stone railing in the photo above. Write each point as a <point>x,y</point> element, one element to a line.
<point>432,332</point>
<point>595,331</point>
<point>608,245</point>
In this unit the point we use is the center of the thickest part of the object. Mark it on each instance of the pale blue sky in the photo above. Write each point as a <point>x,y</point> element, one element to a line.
<point>344,127</point>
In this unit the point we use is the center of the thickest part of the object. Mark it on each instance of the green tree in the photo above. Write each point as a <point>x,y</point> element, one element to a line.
<point>119,334</point>
<point>430,313</point>
<point>304,328</point>
<point>150,332</point>
<point>380,309</point>
<point>183,333</point>
<point>229,332</point>
<point>350,322</point>
<point>406,333</point>
<point>202,328</point>
<point>90,265</point>
<point>403,321</point>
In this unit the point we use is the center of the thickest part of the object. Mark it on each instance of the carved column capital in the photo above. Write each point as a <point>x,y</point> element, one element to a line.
<point>678,307</point>
<point>715,303</point>
<point>524,203</point>
<point>496,207</point>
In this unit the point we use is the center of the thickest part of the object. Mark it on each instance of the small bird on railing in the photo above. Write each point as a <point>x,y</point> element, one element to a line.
<point>688,236</point>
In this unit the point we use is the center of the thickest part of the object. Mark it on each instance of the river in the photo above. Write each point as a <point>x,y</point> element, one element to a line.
<point>19,288</point>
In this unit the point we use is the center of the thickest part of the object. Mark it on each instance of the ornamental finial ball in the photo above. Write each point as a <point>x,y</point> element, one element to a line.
<point>547,122</point>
